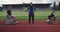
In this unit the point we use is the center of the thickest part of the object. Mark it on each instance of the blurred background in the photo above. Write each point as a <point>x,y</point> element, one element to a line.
<point>23,4</point>
<point>19,8</point>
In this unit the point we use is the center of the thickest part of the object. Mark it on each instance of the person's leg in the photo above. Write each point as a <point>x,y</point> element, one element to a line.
<point>50,20</point>
<point>7,21</point>
<point>54,19</point>
<point>32,19</point>
<point>15,20</point>
<point>29,19</point>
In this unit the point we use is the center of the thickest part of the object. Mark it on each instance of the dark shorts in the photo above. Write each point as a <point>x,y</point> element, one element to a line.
<point>9,12</point>
<point>49,17</point>
<point>31,14</point>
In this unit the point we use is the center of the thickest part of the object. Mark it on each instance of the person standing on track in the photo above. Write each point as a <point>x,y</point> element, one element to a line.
<point>31,13</point>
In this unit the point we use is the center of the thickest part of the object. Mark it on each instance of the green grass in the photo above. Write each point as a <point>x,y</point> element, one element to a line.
<point>39,15</point>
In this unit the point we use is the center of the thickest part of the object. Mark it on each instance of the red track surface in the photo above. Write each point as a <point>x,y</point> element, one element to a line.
<point>23,26</point>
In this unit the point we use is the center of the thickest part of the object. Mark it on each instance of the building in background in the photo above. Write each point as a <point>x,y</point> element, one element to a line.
<point>21,6</point>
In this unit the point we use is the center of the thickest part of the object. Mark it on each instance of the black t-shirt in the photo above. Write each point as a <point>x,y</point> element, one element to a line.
<point>52,15</point>
<point>9,12</point>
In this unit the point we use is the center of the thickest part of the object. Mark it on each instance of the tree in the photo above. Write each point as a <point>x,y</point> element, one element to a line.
<point>0,7</point>
<point>59,5</point>
<point>54,6</point>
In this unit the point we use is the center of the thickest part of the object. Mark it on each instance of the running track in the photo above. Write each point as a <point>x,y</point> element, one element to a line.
<point>23,26</point>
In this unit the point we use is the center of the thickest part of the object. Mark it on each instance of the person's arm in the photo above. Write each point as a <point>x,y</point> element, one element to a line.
<point>8,16</point>
<point>54,14</point>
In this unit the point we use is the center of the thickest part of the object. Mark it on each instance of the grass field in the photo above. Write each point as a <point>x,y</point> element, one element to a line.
<point>39,15</point>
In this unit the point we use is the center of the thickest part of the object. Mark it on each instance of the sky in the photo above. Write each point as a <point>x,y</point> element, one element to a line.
<point>27,1</point>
